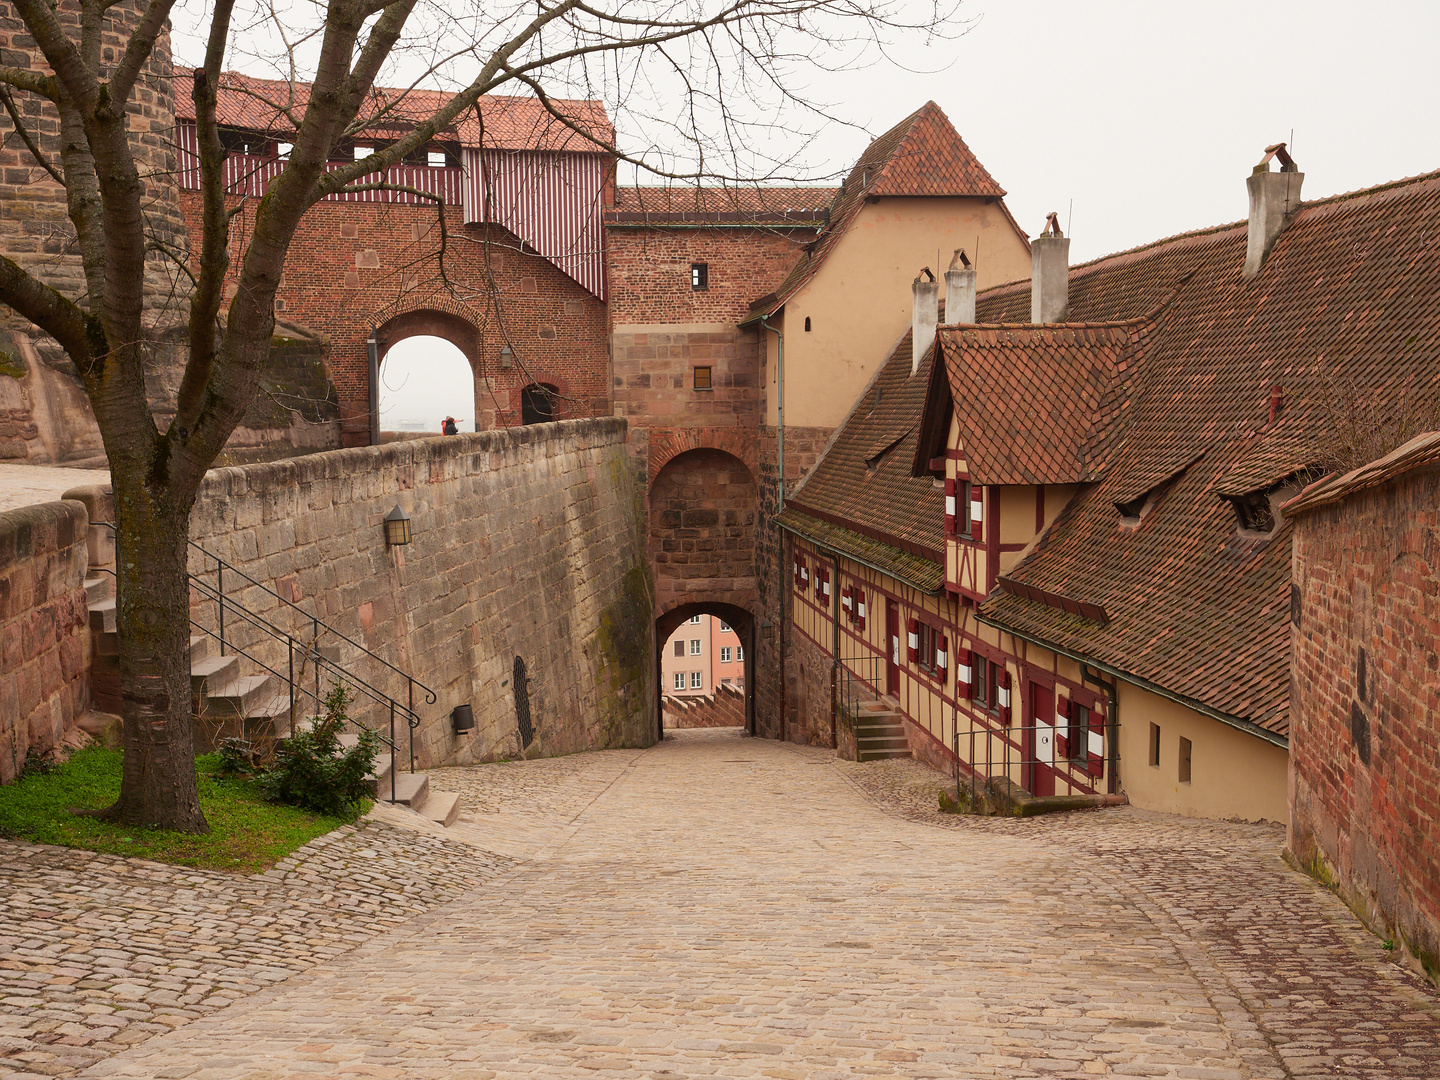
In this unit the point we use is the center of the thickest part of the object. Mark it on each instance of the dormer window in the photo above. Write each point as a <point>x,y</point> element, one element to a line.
<point>1254,512</point>
<point>1257,513</point>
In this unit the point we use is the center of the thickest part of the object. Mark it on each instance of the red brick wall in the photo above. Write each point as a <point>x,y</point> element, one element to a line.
<point>649,272</point>
<point>702,531</point>
<point>1365,700</point>
<point>357,265</point>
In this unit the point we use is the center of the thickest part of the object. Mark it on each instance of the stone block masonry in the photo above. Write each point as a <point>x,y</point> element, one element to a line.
<point>526,542</point>
<point>1365,701</point>
<point>724,708</point>
<point>44,637</point>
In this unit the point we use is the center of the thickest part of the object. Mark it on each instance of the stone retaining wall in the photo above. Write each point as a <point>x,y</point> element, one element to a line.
<point>526,542</point>
<point>724,708</point>
<point>44,636</point>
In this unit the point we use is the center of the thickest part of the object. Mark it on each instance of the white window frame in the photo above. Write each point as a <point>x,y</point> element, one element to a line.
<point>694,646</point>
<point>694,620</point>
<point>739,653</point>
<point>725,652</point>
<point>696,680</point>
<point>679,680</point>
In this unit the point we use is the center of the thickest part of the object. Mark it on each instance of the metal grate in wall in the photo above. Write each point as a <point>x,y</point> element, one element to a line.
<point>522,704</point>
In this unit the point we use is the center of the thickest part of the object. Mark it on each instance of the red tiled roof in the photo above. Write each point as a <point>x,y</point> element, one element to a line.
<point>804,206</point>
<point>863,483</point>
<point>1420,452</point>
<point>922,155</point>
<point>1348,301</point>
<point>1039,404</point>
<point>509,123</point>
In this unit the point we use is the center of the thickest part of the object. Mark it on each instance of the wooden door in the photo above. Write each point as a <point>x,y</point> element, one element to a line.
<point>1039,742</point>
<point>892,654</point>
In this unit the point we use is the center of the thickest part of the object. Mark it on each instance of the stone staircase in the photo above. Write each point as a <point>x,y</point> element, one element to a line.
<point>232,704</point>
<point>880,732</point>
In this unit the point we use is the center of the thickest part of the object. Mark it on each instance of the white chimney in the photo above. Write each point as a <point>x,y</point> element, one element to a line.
<point>927,314</point>
<point>1049,273</point>
<point>1274,198</point>
<point>959,290</point>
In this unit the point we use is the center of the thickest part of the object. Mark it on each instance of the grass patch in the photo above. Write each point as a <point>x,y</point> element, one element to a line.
<point>247,834</point>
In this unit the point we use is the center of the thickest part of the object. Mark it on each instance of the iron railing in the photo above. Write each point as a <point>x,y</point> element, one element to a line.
<point>1015,752</point>
<point>375,701</point>
<point>858,679</point>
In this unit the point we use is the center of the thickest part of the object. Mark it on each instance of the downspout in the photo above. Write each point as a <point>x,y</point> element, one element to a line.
<point>780,469</point>
<point>1112,741</point>
<point>835,652</point>
<point>372,347</point>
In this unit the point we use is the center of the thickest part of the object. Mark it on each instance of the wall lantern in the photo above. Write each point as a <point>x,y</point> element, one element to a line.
<point>462,718</point>
<point>507,357</point>
<point>397,528</point>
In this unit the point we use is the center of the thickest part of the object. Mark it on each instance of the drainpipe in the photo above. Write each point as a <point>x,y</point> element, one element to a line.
<point>372,346</point>
<point>780,468</point>
<point>835,650</point>
<point>1112,722</point>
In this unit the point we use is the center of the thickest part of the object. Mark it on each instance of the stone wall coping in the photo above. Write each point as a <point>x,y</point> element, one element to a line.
<point>557,437</point>
<point>32,530</point>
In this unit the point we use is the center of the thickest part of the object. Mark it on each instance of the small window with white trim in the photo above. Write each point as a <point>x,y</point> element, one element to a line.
<point>1078,736</point>
<point>679,680</point>
<point>695,680</point>
<point>725,653</point>
<point>695,646</point>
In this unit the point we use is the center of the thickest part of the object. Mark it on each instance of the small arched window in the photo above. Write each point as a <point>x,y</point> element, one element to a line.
<point>807,324</point>
<point>537,403</point>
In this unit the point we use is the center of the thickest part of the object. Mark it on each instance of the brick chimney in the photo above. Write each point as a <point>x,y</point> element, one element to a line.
<point>960,290</point>
<point>1049,273</point>
<point>1274,199</point>
<point>927,313</point>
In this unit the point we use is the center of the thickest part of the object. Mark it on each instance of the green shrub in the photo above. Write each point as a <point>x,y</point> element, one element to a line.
<point>313,771</point>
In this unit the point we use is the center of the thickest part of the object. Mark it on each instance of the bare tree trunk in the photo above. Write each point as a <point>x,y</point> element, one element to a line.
<point>158,785</point>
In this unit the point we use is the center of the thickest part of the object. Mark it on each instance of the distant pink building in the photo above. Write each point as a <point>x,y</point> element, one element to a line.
<point>702,654</point>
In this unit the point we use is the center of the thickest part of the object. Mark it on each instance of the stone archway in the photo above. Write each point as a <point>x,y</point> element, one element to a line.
<point>740,619</point>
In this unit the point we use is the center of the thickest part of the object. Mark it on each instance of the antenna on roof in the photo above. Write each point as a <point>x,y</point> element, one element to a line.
<point>1070,217</point>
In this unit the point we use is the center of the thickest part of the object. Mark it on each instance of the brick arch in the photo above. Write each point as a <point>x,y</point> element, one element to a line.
<point>670,443</point>
<point>432,315</point>
<point>741,618</point>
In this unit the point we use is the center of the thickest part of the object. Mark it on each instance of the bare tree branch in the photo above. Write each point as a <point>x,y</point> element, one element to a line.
<point>24,133</point>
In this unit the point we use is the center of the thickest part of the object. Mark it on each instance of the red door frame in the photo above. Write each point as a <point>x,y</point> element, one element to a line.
<point>892,648</point>
<point>1036,777</point>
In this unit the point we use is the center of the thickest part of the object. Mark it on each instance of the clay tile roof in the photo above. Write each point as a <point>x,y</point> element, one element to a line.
<point>1039,404</point>
<point>806,207</point>
<point>1345,317</point>
<point>275,106</point>
<point>923,155</point>
<point>863,486</point>
<point>1421,452</point>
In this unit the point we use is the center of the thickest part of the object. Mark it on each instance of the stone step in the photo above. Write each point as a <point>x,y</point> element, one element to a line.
<point>883,742</point>
<point>412,789</point>
<point>877,731</point>
<point>240,696</point>
<point>102,616</point>
<point>442,807</point>
<point>881,755</point>
<point>99,587</point>
<point>210,672</point>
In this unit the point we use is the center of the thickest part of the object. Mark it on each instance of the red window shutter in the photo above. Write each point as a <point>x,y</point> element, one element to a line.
<point>1062,730</point>
<point>964,672</point>
<point>914,640</point>
<point>942,656</point>
<point>860,608</point>
<point>950,508</point>
<point>1002,681</point>
<point>1095,756</point>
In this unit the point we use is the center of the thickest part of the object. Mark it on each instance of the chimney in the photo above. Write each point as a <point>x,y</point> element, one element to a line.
<point>1049,273</point>
<point>927,314</point>
<point>1274,198</point>
<point>959,290</point>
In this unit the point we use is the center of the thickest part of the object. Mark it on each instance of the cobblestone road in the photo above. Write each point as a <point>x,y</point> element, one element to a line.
<point>726,907</point>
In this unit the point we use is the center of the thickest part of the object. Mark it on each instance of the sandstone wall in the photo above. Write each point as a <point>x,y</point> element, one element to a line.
<point>1365,701</point>
<point>724,708</point>
<point>44,636</point>
<point>527,542</point>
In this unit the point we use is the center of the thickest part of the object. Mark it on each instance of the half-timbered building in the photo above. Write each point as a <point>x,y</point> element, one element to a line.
<point>1051,538</point>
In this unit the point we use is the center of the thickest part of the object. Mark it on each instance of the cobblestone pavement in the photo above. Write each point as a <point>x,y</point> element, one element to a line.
<point>26,485</point>
<point>98,953</point>
<point>729,907</point>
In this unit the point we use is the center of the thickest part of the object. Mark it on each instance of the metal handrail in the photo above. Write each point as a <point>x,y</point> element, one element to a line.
<point>309,650</point>
<point>221,565</point>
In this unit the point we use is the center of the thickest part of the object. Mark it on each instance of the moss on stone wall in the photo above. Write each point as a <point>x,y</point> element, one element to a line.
<point>12,365</point>
<point>623,661</point>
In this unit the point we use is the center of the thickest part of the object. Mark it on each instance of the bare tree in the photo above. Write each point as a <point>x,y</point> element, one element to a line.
<point>698,64</point>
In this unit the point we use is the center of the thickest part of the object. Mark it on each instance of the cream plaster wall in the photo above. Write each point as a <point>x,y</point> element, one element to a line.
<point>1233,775</point>
<point>859,303</point>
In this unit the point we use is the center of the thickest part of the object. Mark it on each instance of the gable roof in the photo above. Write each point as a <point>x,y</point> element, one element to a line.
<point>923,155</point>
<point>1038,404</point>
<point>862,498</point>
<point>276,106</point>
<point>1346,307</point>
